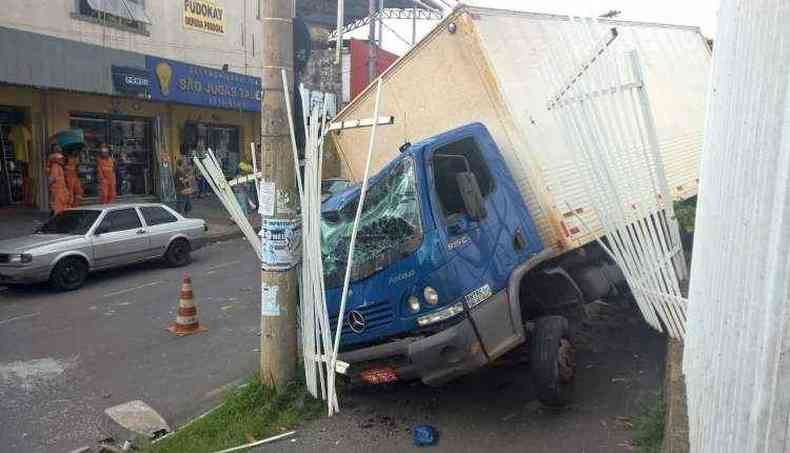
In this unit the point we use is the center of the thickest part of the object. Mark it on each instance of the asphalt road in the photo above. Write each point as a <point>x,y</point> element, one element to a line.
<point>66,357</point>
<point>619,370</point>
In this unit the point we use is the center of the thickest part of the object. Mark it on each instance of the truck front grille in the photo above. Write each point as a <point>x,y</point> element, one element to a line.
<point>377,315</point>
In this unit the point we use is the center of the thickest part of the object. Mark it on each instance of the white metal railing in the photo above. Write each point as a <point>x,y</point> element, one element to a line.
<point>603,112</point>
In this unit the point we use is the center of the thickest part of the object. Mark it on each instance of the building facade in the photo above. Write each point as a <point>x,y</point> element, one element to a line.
<point>154,80</point>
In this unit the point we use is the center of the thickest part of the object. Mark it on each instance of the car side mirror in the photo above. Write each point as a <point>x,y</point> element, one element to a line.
<point>100,230</point>
<point>472,196</point>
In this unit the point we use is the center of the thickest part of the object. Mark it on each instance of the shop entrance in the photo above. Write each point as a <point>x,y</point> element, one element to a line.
<point>131,146</point>
<point>16,185</point>
<point>223,140</point>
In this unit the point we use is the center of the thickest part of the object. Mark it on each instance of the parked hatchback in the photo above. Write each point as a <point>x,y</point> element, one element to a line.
<point>77,241</point>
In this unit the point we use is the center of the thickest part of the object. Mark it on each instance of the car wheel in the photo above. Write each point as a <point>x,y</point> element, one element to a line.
<point>553,360</point>
<point>178,254</point>
<point>69,274</point>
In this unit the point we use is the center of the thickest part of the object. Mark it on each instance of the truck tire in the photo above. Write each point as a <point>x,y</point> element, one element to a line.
<point>552,358</point>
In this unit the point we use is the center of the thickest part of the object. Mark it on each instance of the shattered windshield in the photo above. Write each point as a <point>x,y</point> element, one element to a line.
<point>389,227</point>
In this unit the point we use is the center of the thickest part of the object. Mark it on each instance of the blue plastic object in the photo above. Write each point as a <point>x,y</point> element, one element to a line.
<point>424,435</point>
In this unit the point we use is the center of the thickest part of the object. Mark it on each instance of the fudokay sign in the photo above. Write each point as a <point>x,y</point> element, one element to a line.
<point>204,15</point>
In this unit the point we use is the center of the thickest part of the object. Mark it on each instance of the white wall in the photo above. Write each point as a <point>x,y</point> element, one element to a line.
<point>167,38</point>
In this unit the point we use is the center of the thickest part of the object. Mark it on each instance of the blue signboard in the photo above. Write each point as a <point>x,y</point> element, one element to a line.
<point>131,81</point>
<point>185,83</point>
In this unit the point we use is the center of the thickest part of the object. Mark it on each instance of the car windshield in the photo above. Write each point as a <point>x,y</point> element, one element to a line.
<point>388,229</point>
<point>70,222</point>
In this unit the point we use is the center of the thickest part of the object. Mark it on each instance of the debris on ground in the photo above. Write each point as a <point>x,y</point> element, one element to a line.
<point>424,435</point>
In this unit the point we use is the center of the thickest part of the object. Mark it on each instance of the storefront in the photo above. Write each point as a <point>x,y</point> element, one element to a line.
<point>131,144</point>
<point>16,182</point>
<point>147,109</point>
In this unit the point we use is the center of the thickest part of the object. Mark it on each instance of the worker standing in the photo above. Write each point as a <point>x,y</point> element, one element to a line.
<point>73,180</point>
<point>59,196</point>
<point>105,172</point>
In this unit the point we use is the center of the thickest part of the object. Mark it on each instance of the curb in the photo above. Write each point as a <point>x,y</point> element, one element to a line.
<point>676,431</point>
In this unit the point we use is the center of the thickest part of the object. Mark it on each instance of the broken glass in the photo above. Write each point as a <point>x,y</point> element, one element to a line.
<point>389,227</point>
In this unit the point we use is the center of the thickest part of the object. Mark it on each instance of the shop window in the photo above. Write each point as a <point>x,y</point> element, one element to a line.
<point>126,14</point>
<point>155,215</point>
<point>131,148</point>
<point>222,140</point>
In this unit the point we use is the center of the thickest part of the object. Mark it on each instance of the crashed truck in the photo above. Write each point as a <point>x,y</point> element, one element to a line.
<point>476,234</point>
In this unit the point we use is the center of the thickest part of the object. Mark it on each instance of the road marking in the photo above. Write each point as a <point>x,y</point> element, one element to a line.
<point>220,266</point>
<point>123,291</point>
<point>29,315</point>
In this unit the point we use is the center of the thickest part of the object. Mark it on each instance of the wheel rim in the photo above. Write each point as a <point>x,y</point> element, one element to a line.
<point>72,273</point>
<point>179,253</point>
<point>566,361</point>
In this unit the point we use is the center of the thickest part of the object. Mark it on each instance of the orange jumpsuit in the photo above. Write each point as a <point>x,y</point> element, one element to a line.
<point>73,181</point>
<point>59,196</point>
<point>105,170</point>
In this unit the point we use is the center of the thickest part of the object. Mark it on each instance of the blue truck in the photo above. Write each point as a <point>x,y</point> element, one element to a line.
<point>449,271</point>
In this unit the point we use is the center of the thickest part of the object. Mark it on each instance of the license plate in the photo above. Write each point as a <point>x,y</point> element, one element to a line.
<point>378,375</point>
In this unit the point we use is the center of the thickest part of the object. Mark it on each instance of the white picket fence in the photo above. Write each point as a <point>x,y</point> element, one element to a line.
<point>735,358</point>
<point>600,103</point>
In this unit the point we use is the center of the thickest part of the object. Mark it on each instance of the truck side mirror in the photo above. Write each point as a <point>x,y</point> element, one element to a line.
<point>471,194</point>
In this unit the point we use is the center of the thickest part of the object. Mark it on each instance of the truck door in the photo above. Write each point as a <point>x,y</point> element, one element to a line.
<point>481,254</point>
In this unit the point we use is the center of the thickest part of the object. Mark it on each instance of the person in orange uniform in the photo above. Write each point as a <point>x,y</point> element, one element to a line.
<point>59,196</point>
<point>73,180</point>
<point>105,171</point>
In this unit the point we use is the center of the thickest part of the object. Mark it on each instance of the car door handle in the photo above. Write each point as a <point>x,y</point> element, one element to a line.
<point>140,231</point>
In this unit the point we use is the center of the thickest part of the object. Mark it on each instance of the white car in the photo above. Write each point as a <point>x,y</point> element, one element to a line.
<point>77,241</point>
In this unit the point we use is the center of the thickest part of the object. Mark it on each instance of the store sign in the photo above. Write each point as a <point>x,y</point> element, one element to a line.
<point>131,81</point>
<point>197,85</point>
<point>204,15</point>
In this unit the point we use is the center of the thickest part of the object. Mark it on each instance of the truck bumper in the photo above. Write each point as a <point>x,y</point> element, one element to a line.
<point>446,355</point>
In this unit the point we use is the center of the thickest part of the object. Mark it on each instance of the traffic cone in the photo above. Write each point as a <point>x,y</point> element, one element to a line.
<point>186,317</point>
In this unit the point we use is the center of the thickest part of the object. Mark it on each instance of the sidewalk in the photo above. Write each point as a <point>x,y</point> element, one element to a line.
<point>20,221</point>
<point>220,225</point>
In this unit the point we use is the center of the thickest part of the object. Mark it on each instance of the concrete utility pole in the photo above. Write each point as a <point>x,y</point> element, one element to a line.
<point>372,41</point>
<point>279,287</point>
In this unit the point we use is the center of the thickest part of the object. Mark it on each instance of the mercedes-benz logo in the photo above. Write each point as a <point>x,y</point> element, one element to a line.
<point>356,321</point>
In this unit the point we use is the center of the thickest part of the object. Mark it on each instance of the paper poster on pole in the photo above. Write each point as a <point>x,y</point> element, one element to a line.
<point>281,243</point>
<point>269,305</point>
<point>267,199</point>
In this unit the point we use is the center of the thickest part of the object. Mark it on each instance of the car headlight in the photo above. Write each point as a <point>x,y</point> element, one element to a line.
<point>441,315</point>
<point>414,304</point>
<point>20,258</point>
<point>431,296</point>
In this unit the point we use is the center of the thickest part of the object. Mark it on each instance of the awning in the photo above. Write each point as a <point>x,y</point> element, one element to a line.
<point>125,9</point>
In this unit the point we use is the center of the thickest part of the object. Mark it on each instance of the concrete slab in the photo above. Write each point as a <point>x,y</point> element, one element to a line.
<point>138,417</point>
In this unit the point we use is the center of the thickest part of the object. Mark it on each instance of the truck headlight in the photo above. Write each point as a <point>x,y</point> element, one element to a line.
<point>20,258</point>
<point>414,304</point>
<point>441,315</point>
<point>431,296</point>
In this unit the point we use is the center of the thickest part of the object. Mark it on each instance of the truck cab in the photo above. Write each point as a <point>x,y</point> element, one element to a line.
<point>444,242</point>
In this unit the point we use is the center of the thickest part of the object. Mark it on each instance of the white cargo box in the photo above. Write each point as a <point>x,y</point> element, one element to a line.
<point>482,65</point>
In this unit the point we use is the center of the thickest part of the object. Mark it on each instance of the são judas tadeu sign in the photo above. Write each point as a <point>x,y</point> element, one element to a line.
<point>204,15</point>
<point>174,81</point>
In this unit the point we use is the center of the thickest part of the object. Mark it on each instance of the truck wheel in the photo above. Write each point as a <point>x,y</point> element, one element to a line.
<point>553,361</point>
<point>177,254</point>
<point>69,274</point>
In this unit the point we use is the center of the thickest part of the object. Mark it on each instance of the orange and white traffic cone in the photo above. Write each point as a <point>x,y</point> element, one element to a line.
<point>186,317</point>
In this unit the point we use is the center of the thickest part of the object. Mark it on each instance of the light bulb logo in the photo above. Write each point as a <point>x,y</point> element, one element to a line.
<point>164,73</point>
